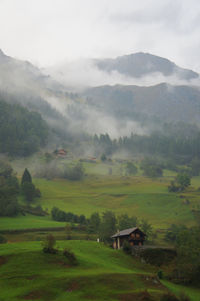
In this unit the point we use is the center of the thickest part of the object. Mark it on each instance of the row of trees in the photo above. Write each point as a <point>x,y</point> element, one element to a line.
<point>180,142</point>
<point>104,225</point>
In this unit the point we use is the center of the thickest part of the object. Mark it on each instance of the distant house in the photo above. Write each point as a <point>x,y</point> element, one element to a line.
<point>60,153</point>
<point>133,235</point>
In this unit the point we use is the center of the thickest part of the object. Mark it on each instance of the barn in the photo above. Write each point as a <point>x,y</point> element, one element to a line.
<point>133,235</point>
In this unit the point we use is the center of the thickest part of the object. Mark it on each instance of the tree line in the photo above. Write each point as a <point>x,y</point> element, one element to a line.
<point>104,225</point>
<point>176,141</point>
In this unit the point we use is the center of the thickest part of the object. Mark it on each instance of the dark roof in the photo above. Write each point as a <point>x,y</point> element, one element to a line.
<point>125,232</point>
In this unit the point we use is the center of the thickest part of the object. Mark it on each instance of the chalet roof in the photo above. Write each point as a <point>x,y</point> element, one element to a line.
<point>125,232</point>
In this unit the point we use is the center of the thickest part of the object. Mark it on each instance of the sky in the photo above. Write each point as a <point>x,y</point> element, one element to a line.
<point>47,32</point>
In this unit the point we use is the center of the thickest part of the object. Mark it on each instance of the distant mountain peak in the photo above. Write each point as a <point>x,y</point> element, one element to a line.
<point>2,53</point>
<point>141,64</point>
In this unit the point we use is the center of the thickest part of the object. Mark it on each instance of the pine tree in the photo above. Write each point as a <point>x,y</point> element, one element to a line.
<point>26,177</point>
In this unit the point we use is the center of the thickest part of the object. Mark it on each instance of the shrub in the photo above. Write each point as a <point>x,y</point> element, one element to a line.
<point>127,247</point>
<point>169,297</point>
<point>3,240</point>
<point>160,274</point>
<point>158,256</point>
<point>70,256</point>
<point>184,297</point>
<point>145,296</point>
<point>49,244</point>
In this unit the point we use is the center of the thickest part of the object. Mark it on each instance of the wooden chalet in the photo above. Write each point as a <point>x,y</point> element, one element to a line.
<point>60,153</point>
<point>133,235</point>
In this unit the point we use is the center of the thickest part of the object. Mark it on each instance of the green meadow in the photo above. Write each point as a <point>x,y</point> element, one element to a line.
<point>26,273</point>
<point>139,196</point>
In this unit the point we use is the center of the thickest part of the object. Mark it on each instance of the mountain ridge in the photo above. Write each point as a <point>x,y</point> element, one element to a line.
<point>140,63</point>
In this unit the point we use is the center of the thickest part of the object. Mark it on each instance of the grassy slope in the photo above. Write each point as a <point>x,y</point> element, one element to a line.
<point>102,273</point>
<point>193,293</point>
<point>28,222</point>
<point>140,196</point>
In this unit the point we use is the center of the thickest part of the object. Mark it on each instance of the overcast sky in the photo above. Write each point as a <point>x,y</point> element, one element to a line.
<point>46,32</point>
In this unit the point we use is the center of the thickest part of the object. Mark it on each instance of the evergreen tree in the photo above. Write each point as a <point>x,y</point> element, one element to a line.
<point>28,188</point>
<point>107,226</point>
<point>26,177</point>
<point>94,223</point>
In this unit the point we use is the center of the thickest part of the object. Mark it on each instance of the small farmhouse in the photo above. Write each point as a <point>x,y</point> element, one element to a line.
<point>133,235</point>
<point>60,153</point>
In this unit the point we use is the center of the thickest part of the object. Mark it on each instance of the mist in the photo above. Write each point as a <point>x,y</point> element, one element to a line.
<point>84,73</point>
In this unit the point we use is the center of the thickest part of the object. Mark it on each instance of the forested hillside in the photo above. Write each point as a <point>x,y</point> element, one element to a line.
<point>21,132</point>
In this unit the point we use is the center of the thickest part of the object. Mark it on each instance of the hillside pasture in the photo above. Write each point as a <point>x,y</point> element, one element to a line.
<point>137,195</point>
<point>27,273</point>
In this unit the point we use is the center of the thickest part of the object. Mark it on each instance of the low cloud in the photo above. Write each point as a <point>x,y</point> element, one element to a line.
<point>83,73</point>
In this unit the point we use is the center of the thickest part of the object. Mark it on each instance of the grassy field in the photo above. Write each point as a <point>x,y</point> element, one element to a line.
<point>139,196</point>
<point>28,222</point>
<point>193,293</point>
<point>26,273</point>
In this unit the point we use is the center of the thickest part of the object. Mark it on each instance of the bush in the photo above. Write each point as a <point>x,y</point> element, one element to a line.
<point>49,244</point>
<point>3,240</point>
<point>160,274</point>
<point>158,256</point>
<point>70,256</point>
<point>169,297</point>
<point>75,173</point>
<point>127,247</point>
<point>184,297</point>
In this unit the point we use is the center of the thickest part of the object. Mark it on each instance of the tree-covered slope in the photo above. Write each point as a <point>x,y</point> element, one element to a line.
<point>21,132</point>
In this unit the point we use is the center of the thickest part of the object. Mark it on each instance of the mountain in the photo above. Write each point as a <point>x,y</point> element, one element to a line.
<point>23,83</point>
<point>141,64</point>
<point>163,101</point>
<point>114,109</point>
<point>23,76</point>
<point>141,69</point>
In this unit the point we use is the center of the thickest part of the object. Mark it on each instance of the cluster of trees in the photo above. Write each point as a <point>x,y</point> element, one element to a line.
<point>62,216</point>
<point>104,225</point>
<point>9,191</point>
<point>51,170</point>
<point>74,173</point>
<point>131,169</point>
<point>187,243</point>
<point>178,141</point>
<point>151,168</point>
<point>22,132</point>
<point>180,183</point>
